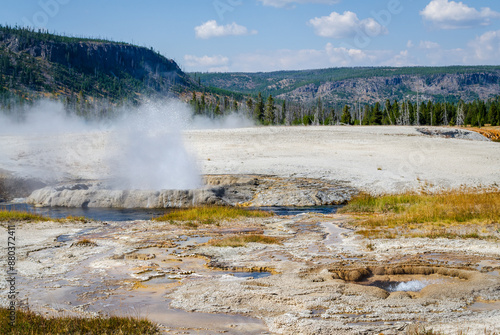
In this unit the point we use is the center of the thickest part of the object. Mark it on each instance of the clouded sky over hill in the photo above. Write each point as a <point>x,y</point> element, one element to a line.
<point>269,35</point>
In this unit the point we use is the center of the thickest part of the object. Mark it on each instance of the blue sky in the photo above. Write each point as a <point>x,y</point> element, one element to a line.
<point>269,35</point>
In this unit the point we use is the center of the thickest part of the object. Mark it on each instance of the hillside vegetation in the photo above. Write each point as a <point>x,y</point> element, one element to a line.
<point>337,86</point>
<point>455,95</point>
<point>93,76</point>
<point>81,70</point>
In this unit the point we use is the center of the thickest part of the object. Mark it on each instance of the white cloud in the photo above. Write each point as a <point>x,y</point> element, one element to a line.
<point>446,57</point>
<point>403,58</point>
<point>344,56</point>
<point>303,59</point>
<point>428,45</point>
<point>276,60</point>
<point>346,25</point>
<point>483,50</point>
<point>289,3</point>
<point>211,29</point>
<point>216,63</point>
<point>486,48</point>
<point>447,14</point>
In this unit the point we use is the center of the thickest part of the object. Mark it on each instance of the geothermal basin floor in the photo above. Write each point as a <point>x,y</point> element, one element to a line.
<point>374,159</point>
<point>322,278</point>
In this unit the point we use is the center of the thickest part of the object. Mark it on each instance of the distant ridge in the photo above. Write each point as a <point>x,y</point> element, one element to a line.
<point>338,86</point>
<point>38,63</point>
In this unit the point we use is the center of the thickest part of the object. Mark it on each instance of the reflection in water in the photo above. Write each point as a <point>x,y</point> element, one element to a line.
<point>99,285</point>
<point>98,214</point>
<point>299,210</point>
<point>129,214</point>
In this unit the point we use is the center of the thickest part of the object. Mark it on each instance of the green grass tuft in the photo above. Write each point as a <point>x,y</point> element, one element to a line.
<point>428,215</point>
<point>242,240</point>
<point>449,207</point>
<point>85,242</point>
<point>81,219</point>
<point>10,216</point>
<point>31,323</point>
<point>210,214</point>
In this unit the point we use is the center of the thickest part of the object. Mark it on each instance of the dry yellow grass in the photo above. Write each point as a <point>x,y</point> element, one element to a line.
<point>210,214</point>
<point>243,240</point>
<point>85,242</point>
<point>464,213</point>
<point>493,133</point>
<point>28,322</point>
<point>81,219</point>
<point>10,216</point>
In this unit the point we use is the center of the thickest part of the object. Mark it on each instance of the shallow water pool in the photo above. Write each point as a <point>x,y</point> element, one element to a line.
<point>130,214</point>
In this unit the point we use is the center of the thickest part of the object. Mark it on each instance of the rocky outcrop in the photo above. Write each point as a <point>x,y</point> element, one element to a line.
<point>12,187</point>
<point>111,58</point>
<point>100,68</point>
<point>246,190</point>
<point>452,133</point>
<point>99,196</point>
<point>466,86</point>
<point>303,192</point>
<point>368,85</point>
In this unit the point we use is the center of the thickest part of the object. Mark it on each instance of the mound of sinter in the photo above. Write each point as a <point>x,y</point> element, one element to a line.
<point>248,190</point>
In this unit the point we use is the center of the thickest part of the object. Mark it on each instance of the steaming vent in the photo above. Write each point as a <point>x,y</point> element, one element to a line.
<point>404,286</point>
<point>133,148</point>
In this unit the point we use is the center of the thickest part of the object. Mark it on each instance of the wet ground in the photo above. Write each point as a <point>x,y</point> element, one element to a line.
<point>322,279</point>
<point>128,214</point>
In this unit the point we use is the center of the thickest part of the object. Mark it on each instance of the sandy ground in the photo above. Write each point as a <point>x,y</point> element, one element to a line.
<point>374,159</point>
<point>57,157</point>
<point>164,267</point>
<point>169,274</point>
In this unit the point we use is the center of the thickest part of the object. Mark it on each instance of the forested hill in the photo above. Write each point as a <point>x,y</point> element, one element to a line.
<point>339,86</point>
<point>37,63</point>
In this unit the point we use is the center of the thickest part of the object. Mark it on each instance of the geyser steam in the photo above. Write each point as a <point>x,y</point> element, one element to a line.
<point>140,149</point>
<point>152,154</point>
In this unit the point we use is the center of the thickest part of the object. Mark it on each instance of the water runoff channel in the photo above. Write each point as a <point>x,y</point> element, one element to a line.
<point>149,300</point>
<point>130,214</point>
<point>155,305</point>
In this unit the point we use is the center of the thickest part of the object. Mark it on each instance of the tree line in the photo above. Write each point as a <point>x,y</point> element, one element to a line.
<point>270,111</point>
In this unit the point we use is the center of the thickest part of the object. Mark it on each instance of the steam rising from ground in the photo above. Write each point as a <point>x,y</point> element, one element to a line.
<point>142,148</point>
<point>410,286</point>
<point>44,118</point>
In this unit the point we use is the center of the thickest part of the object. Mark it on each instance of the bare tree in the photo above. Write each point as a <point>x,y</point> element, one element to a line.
<point>460,115</point>
<point>445,116</point>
